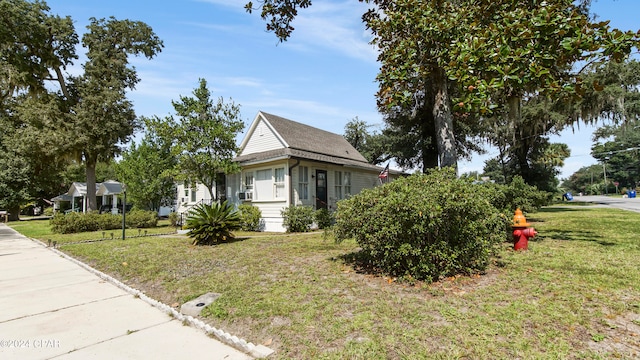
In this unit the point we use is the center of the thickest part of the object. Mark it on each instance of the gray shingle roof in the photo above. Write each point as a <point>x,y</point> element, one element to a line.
<point>307,138</point>
<point>109,187</point>
<point>301,154</point>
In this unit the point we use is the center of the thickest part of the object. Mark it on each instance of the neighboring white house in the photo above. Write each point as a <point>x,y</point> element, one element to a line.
<point>285,162</point>
<point>106,192</point>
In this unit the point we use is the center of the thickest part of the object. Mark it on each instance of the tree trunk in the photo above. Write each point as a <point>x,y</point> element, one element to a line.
<point>92,204</point>
<point>520,146</point>
<point>14,213</point>
<point>429,154</point>
<point>210,185</point>
<point>443,121</point>
<point>429,151</point>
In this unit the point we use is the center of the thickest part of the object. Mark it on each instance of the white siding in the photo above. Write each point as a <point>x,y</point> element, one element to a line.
<point>271,208</point>
<point>184,201</point>
<point>363,180</point>
<point>271,214</point>
<point>359,180</point>
<point>262,139</point>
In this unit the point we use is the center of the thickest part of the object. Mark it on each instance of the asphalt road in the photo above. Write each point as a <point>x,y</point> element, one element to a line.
<point>632,204</point>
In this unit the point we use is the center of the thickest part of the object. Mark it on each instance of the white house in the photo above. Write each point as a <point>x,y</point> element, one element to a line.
<point>285,162</point>
<point>106,192</point>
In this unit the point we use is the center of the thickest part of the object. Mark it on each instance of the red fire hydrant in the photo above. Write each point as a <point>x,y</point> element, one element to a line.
<point>521,231</point>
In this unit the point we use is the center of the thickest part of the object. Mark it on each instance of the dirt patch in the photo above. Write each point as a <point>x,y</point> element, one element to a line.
<point>618,337</point>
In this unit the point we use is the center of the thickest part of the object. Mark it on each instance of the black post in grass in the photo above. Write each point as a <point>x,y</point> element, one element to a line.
<point>124,209</point>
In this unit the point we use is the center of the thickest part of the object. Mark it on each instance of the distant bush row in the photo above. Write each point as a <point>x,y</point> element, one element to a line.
<point>92,221</point>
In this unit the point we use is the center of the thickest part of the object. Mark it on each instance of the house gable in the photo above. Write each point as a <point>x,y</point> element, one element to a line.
<point>261,137</point>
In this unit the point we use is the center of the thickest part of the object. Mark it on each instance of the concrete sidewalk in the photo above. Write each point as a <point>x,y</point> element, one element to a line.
<point>52,308</point>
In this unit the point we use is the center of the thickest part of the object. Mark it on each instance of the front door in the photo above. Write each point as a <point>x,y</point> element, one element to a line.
<point>321,189</point>
<point>221,186</point>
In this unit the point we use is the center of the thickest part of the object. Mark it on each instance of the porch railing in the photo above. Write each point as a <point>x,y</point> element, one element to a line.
<point>182,216</point>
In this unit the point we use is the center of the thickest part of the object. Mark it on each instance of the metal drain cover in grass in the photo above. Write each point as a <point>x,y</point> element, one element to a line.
<point>195,306</point>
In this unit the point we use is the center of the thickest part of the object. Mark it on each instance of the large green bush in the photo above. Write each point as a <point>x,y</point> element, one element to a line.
<point>297,218</point>
<point>424,226</point>
<point>250,216</point>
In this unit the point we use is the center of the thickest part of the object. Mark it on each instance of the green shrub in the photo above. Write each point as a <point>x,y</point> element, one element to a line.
<point>78,222</point>
<point>58,224</point>
<point>212,224</point>
<point>109,221</point>
<point>173,219</point>
<point>323,218</point>
<point>517,194</point>
<point>141,219</point>
<point>48,211</point>
<point>75,222</point>
<point>250,216</point>
<point>297,218</point>
<point>424,227</point>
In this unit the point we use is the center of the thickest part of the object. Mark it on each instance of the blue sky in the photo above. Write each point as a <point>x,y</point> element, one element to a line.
<point>324,76</point>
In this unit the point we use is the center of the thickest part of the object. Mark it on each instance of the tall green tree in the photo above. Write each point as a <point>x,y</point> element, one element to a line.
<point>524,148</point>
<point>102,118</point>
<point>496,52</point>
<point>35,48</point>
<point>616,99</point>
<point>145,169</point>
<point>372,145</point>
<point>87,116</point>
<point>614,96</point>
<point>617,147</point>
<point>202,136</point>
<point>588,180</point>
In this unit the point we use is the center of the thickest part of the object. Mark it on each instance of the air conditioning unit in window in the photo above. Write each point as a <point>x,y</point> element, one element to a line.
<point>246,196</point>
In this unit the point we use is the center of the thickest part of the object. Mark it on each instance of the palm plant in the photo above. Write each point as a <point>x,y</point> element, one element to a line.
<point>212,224</point>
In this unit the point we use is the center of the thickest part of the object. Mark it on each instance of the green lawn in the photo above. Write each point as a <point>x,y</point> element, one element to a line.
<point>40,229</point>
<point>575,294</point>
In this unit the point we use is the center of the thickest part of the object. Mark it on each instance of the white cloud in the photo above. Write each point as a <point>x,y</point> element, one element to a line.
<point>231,4</point>
<point>336,26</point>
<point>329,25</point>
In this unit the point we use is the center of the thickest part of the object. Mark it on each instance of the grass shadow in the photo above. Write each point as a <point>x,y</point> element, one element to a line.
<point>360,262</point>
<point>559,209</point>
<point>564,235</point>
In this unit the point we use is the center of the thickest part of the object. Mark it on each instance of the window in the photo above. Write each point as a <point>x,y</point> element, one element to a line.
<point>248,181</point>
<point>263,185</point>
<point>186,191</point>
<point>193,194</point>
<point>279,183</point>
<point>347,184</point>
<point>342,184</point>
<point>269,184</point>
<point>303,183</point>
